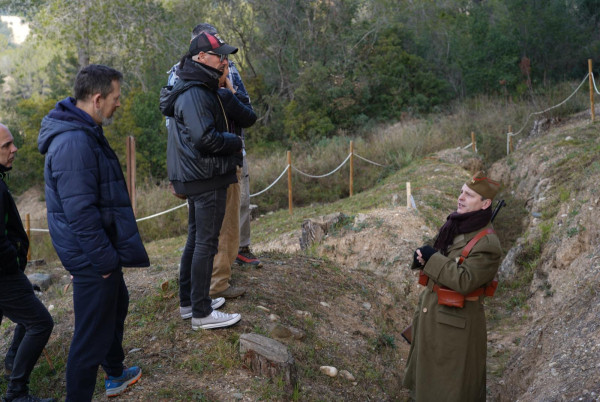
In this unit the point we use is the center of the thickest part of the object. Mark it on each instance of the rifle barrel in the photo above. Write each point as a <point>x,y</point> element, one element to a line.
<point>500,204</point>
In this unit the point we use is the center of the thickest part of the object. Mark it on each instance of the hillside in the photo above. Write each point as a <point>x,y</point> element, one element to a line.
<point>351,295</point>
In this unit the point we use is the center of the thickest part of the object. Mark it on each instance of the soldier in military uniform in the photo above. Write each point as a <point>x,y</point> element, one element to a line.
<point>447,358</point>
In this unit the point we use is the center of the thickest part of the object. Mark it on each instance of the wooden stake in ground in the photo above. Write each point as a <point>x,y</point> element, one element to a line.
<point>351,168</point>
<point>289,161</point>
<point>131,171</point>
<point>591,81</point>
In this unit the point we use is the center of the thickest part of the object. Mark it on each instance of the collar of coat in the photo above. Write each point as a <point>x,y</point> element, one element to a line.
<point>194,71</point>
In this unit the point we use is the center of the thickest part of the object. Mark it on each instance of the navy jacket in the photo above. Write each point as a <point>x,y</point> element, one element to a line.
<point>13,239</point>
<point>90,217</point>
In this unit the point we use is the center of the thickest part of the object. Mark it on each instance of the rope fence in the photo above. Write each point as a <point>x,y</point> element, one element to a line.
<point>286,169</point>
<point>289,167</point>
<point>511,134</point>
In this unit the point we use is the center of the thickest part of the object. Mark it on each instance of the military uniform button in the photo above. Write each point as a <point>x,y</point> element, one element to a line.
<point>425,309</point>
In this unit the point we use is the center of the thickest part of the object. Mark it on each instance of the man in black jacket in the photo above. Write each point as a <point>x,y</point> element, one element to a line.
<point>17,300</point>
<point>202,160</point>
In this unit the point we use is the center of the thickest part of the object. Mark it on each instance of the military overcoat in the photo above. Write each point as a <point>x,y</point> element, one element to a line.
<point>447,357</point>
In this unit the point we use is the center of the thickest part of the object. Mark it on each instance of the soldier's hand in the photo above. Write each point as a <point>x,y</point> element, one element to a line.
<point>426,253</point>
<point>417,264</point>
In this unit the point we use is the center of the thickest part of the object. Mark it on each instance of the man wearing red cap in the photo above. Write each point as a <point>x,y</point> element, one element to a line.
<point>202,160</point>
<point>447,356</point>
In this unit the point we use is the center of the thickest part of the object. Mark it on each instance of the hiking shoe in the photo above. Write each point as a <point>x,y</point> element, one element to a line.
<point>245,257</point>
<point>216,319</point>
<point>29,398</point>
<point>230,293</point>
<point>116,385</point>
<point>186,312</point>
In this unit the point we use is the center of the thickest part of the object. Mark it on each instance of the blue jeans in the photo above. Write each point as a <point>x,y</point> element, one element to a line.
<point>34,326</point>
<point>100,306</point>
<point>205,216</point>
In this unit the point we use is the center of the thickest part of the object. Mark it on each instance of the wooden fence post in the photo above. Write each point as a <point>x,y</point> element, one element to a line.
<point>408,203</point>
<point>591,80</point>
<point>131,172</point>
<point>28,230</point>
<point>351,168</point>
<point>510,141</point>
<point>473,143</point>
<point>289,161</point>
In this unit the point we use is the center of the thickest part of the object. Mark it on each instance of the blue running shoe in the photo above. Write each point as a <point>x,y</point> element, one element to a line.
<point>116,385</point>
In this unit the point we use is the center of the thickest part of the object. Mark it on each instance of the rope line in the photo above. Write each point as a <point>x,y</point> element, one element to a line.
<point>470,145</point>
<point>161,213</point>
<point>323,175</point>
<point>366,160</point>
<point>272,184</point>
<point>595,88</point>
<point>550,108</point>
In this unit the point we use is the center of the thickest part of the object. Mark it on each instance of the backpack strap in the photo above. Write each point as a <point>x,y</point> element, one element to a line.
<point>465,252</point>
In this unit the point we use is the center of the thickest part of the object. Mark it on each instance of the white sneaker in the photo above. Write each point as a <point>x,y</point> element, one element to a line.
<point>216,319</point>
<point>186,312</point>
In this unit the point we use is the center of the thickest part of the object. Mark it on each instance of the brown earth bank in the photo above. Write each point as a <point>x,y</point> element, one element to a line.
<point>351,294</point>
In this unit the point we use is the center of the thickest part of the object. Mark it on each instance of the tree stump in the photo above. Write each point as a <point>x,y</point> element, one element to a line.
<point>268,358</point>
<point>314,230</point>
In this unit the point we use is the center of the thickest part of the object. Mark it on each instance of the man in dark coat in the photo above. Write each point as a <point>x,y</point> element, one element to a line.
<point>203,156</point>
<point>93,228</point>
<point>447,356</point>
<point>240,115</point>
<point>17,300</point>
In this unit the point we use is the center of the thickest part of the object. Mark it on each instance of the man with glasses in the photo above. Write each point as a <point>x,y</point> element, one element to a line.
<point>235,231</point>
<point>203,157</point>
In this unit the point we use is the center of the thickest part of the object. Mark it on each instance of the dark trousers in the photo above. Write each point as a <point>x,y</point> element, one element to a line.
<point>34,326</point>
<point>18,335</point>
<point>100,306</point>
<point>205,216</point>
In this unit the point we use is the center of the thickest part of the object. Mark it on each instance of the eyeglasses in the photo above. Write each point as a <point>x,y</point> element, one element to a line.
<point>221,56</point>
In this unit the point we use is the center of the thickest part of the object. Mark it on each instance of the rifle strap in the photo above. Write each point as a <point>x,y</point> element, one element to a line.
<point>465,252</point>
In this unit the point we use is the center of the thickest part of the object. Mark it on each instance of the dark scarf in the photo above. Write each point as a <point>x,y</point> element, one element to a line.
<point>193,71</point>
<point>458,224</point>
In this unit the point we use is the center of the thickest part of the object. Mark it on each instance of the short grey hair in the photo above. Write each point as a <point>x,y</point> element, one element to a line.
<point>203,27</point>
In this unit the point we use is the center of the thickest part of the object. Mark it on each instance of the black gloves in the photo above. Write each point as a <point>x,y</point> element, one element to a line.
<point>427,252</point>
<point>416,264</point>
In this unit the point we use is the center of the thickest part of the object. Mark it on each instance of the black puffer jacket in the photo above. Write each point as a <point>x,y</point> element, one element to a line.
<point>201,154</point>
<point>13,239</point>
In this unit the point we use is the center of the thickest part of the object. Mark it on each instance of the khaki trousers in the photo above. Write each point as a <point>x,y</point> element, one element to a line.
<point>245,207</point>
<point>229,239</point>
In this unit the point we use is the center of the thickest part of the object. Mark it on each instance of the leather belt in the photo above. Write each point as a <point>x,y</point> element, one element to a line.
<point>449,297</point>
<point>473,296</point>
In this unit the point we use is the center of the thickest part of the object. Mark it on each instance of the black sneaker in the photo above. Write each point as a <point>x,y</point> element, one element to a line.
<point>245,257</point>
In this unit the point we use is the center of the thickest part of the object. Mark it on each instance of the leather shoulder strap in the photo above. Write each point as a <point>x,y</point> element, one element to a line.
<point>465,252</point>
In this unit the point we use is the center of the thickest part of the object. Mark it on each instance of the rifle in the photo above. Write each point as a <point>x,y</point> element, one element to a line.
<point>407,332</point>
<point>499,205</point>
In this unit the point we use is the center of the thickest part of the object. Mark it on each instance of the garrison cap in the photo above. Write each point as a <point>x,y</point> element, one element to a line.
<point>485,187</point>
